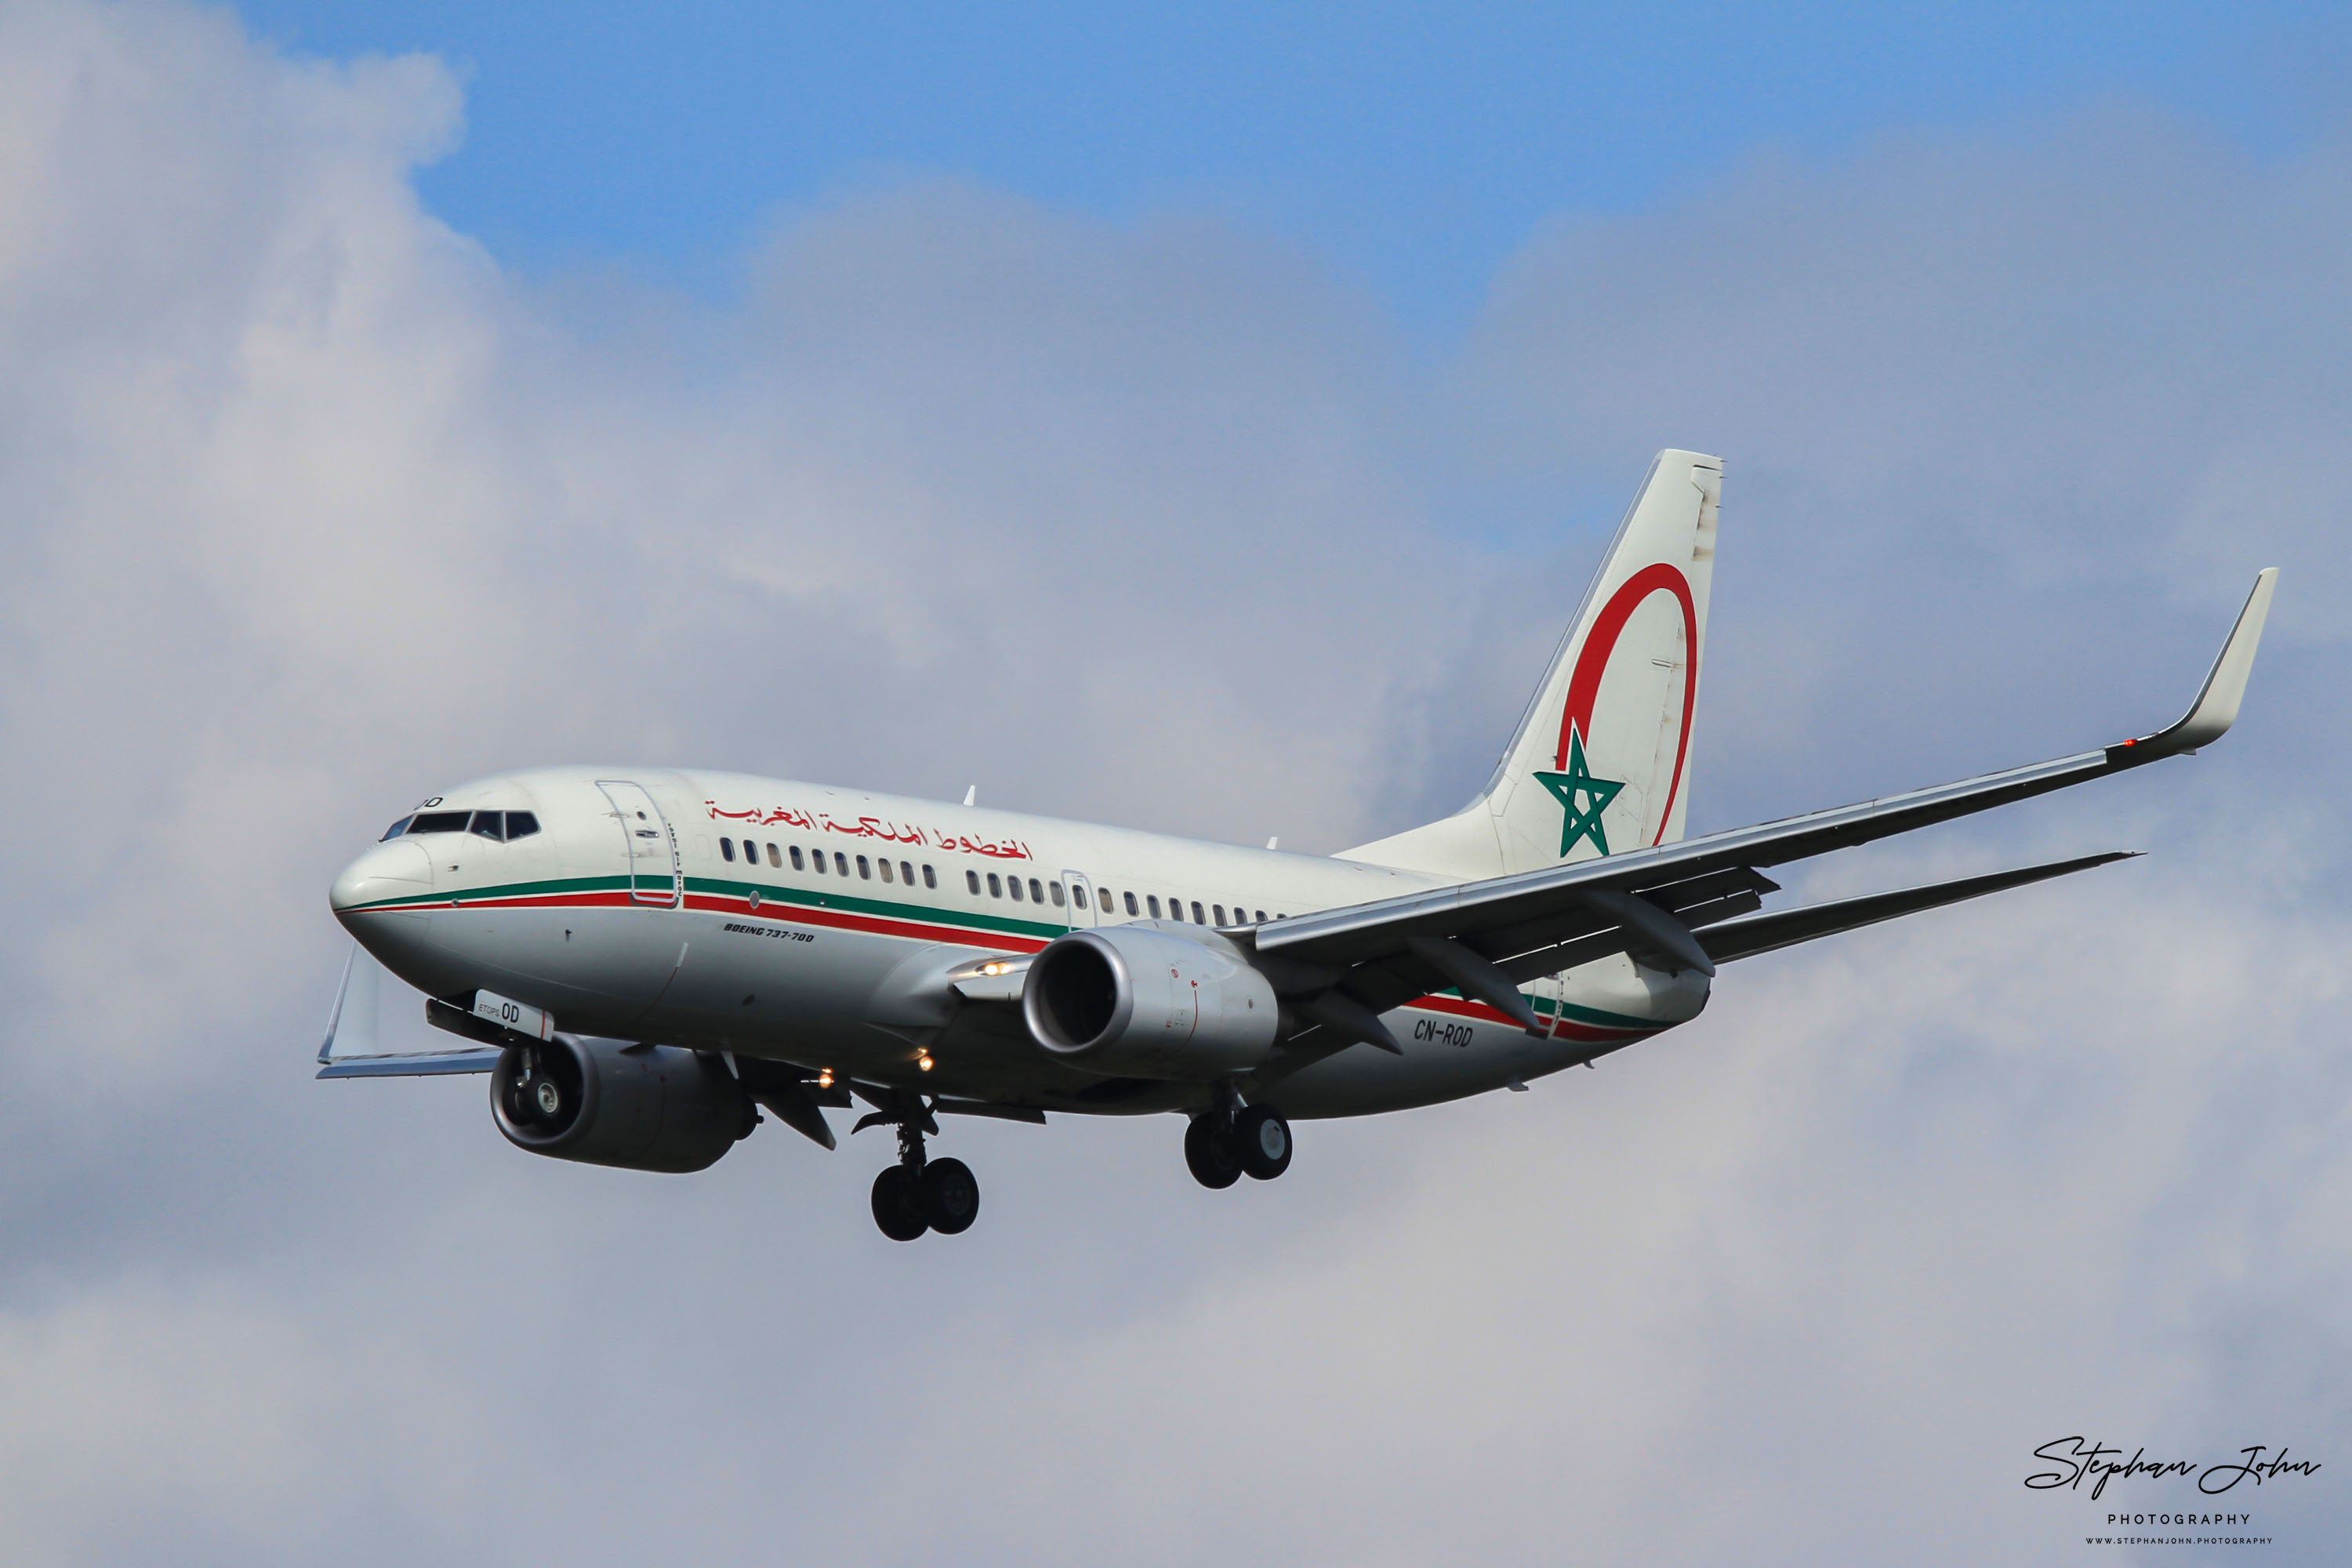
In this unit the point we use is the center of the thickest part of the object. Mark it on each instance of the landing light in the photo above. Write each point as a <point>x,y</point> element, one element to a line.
<point>923,1062</point>
<point>996,969</point>
<point>825,1079</point>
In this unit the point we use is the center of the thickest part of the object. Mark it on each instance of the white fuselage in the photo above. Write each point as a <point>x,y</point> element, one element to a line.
<point>808,924</point>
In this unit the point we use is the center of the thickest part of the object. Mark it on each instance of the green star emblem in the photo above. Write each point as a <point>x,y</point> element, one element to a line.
<point>1581,796</point>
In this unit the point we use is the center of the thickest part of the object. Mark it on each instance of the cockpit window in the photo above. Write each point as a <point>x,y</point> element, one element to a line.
<point>439,821</point>
<point>521,825</point>
<point>396,830</point>
<point>491,824</point>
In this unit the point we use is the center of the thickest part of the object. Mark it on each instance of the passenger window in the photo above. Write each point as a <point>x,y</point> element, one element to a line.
<point>905,873</point>
<point>1077,895</point>
<point>1261,916</point>
<point>1197,919</point>
<point>1218,910</point>
<point>1055,889</point>
<point>1130,904</point>
<point>816,858</point>
<point>885,870</point>
<point>797,864</point>
<point>1152,899</point>
<point>1016,888</point>
<point>840,864</point>
<point>1036,893</point>
<point>773,858</point>
<point>521,825</point>
<point>929,880</point>
<point>394,830</point>
<point>865,871</point>
<point>971,880</point>
<point>727,849</point>
<point>995,889</point>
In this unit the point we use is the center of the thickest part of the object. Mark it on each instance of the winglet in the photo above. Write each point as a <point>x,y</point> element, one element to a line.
<point>2216,708</point>
<point>351,1025</point>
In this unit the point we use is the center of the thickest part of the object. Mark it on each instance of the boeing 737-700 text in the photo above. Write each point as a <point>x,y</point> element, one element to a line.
<point>642,958</point>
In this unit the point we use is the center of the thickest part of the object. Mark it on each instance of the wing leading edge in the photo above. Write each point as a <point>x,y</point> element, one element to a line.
<point>1656,901</point>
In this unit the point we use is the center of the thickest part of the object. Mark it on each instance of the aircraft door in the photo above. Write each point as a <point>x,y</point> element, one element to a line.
<point>648,843</point>
<point>1081,894</point>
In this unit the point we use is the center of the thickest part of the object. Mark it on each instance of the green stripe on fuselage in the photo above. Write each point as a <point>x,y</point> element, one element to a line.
<point>509,891</point>
<point>1546,1008</point>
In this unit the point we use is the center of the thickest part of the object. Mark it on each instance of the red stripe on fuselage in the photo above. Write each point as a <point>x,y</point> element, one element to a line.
<point>843,919</point>
<point>1562,1027</point>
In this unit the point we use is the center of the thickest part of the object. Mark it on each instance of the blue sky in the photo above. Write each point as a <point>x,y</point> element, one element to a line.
<point>1412,145</point>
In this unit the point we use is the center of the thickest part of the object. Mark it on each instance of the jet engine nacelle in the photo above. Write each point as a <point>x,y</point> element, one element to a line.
<point>1142,1002</point>
<point>643,1107</point>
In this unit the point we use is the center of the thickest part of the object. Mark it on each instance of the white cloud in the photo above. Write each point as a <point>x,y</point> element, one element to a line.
<point>310,509</point>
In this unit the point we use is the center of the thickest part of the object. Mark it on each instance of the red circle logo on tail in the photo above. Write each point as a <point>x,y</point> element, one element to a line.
<point>1592,662</point>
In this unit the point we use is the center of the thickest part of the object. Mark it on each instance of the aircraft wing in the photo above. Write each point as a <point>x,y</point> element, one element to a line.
<point>351,1049</point>
<point>1485,938</point>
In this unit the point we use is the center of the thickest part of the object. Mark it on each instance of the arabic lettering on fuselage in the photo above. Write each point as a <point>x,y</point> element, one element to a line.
<point>874,827</point>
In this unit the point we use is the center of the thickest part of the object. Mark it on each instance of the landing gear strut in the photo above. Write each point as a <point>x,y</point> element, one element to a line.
<point>918,1194</point>
<point>1224,1145</point>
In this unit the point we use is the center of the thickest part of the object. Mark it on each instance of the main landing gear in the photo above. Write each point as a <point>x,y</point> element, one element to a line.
<point>918,1194</point>
<point>1233,1141</point>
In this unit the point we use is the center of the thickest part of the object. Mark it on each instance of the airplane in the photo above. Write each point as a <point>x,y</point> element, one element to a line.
<point>642,959</point>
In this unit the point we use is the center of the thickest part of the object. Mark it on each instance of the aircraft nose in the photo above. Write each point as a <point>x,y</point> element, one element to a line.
<point>393,870</point>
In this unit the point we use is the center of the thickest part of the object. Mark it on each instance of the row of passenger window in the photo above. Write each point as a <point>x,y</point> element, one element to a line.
<point>505,826</point>
<point>1040,892</point>
<point>1034,890</point>
<point>815,861</point>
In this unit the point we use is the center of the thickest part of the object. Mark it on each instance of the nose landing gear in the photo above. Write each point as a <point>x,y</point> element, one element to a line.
<point>918,1194</point>
<point>1224,1145</point>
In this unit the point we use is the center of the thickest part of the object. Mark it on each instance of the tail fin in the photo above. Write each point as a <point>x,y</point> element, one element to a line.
<point>1601,759</point>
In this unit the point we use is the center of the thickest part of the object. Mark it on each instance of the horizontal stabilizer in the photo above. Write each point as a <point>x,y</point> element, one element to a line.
<point>1750,934</point>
